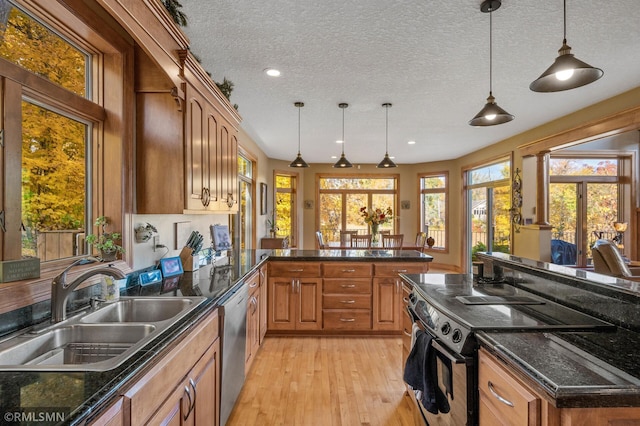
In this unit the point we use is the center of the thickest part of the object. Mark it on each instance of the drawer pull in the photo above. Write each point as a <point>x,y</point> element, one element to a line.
<point>348,301</point>
<point>406,334</point>
<point>296,270</point>
<point>347,319</point>
<point>498,397</point>
<point>348,270</point>
<point>405,300</point>
<point>401,271</point>
<point>348,285</point>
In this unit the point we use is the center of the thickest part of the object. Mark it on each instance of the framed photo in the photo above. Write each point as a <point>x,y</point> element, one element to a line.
<point>221,239</point>
<point>263,198</point>
<point>150,277</point>
<point>171,266</point>
<point>308,204</point>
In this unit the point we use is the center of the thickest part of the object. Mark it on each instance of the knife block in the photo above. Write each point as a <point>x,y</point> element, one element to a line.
<point>189,261</point>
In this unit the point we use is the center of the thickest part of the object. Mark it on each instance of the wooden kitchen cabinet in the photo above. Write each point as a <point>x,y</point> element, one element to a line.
<point>112,416</point>
<point>253,319</point>
<point>407,323</point>
<point>183,387</point>
<point>294,296</point>
<point>263,303</point>
<point>503,399</point>
<point>387,293</point>
<point>346,296</point>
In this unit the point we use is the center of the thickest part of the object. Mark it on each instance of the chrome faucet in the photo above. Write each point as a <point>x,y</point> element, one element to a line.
<point>60,290</point>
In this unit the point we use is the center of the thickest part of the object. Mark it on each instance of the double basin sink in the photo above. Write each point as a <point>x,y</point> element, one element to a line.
<point>97,340</point>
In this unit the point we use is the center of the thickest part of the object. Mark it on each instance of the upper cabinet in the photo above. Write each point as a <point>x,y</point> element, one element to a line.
<point>186,130</point>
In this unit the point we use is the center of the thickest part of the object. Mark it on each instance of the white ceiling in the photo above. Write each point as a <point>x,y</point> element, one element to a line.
<point>429,59</point>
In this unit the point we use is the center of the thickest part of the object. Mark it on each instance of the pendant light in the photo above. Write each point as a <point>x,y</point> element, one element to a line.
<point>566,72</point>
<point>491,114</point>
<point>386,162</point>
<point>299,162</point>
<point>343,163</point>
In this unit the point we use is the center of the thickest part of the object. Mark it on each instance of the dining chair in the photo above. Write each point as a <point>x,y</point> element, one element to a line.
<point>361,241</point>
<point>319,240</point>
<point>385,232</point>
<point>421,239</point>
<point>345,238</point>
<point>608,260</point>
<point>392,240</point>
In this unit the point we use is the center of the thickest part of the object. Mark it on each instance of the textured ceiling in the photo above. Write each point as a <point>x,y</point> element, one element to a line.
<point>429,59</point>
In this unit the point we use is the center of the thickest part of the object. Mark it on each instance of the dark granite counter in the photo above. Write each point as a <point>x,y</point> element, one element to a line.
<point>574,368</point>
<point>80,396</point>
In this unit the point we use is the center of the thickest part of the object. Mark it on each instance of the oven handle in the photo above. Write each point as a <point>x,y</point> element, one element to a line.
<point>435,342</point>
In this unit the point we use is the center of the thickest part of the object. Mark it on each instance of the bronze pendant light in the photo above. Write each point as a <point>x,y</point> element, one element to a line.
<point>491,114</point>
<point>567,71</point>
<point>343,163</point>
<point>386,162</point>
<point>299,162</point>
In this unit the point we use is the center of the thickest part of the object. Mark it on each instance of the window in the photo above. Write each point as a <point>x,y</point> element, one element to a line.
<point>341,198</point>
<point>433,207</point>
<point>584,202</point>
<point>242,222</point>
<point>286,202</point>
<point>61,140</point>
<point>488,204</point>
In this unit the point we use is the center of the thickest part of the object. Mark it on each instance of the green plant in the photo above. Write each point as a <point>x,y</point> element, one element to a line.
<point>105,241</point>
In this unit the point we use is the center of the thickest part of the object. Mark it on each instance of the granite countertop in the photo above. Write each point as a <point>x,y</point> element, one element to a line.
<point>81,395</point>
<point>574,369</point>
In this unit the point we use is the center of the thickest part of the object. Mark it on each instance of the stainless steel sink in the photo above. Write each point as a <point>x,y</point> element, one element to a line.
<point>145,310</point>
<point>98,340</point>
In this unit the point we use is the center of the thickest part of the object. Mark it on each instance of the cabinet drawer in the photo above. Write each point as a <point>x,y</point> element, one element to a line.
<point>504,395</point>
<point>346,319</point>
<point>294,269</point>
<point>346,286</point>
<point>346,301</point>
<point>393,269</point>
<point>346,270</point>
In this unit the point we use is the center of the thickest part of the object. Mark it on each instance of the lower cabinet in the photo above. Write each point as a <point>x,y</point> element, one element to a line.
<point>263,303</point>
<point>507,400</point>
<point>253,320</point>
<point>183,387</point>
<point>346,296</point>
<point>112,416</point>
<point>294,296</point>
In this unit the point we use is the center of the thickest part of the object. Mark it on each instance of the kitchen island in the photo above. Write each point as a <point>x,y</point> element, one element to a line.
<point>84,396</point>
<point>545,344</point>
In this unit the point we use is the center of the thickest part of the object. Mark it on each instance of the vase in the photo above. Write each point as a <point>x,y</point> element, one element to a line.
<point>108,256</point>
<point>375,236</point>
<point>430,242</point>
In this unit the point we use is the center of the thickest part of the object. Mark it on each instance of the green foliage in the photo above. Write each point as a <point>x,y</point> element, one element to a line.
<point>105,241</point>
<point>475,249</point>
<point>226,87</point>
<point>173,7</point>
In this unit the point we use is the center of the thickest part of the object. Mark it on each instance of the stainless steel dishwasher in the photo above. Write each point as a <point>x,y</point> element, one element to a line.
<point>234,336</point>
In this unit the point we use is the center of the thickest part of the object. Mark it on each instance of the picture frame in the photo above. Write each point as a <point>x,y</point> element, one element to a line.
<point>171,266</point>
<point>150,277</point>
<point>263,198</point>
<point>170,283</point>
<point>221,238</point>
<point>308,204</point>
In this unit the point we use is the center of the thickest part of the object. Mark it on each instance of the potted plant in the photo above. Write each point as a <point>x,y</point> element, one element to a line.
<point>271,224</point>
<point>105,241</point>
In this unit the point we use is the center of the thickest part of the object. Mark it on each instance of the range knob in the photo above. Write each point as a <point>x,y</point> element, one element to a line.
<point>446,328</point>
<point>412,297</point>
<point>456,336</point>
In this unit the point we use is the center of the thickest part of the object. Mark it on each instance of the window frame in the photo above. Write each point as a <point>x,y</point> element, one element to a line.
<point>445,191</point>
<point>293,190</point>
<point>110,119</point>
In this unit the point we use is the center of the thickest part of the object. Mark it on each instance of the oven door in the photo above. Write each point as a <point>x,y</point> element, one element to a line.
<point>456,380</point>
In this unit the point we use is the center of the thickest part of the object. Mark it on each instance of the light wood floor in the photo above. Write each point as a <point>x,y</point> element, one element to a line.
<point>328,381</point>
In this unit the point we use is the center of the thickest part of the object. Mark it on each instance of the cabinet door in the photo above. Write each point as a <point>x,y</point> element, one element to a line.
<point>309,299</point>
<point>196,153</point>
<point>263,303</point>
<point>253,330</point>
<point>205,378</point>
<point>113,416</point>
<point>386,303</point>
<point>281,304</point>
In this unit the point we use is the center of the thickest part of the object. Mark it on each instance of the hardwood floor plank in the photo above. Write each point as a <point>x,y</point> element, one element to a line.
<point>325,381</point>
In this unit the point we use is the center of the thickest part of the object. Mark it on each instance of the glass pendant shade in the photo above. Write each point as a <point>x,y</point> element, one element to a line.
<point>386,162</point>
<point>343,163</point>
<point>299,162</point>
<point>567,72</point>
<point>491,114</point>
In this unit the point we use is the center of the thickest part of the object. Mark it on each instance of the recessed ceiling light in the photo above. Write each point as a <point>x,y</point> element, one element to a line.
<point>411,142</point>
<point>272,72</point>
<point>339,141</point>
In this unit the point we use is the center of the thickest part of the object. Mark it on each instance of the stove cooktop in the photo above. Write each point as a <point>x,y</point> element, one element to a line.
<point>453,308</point>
